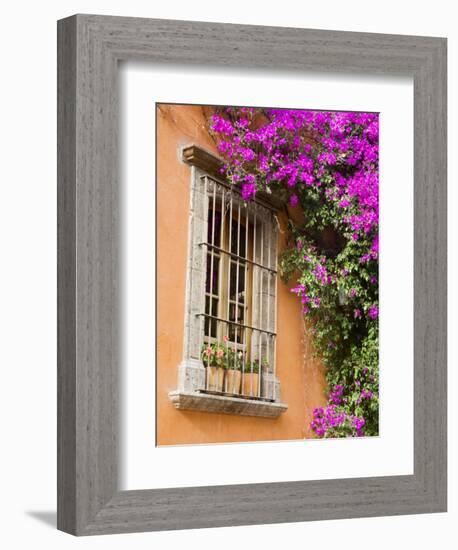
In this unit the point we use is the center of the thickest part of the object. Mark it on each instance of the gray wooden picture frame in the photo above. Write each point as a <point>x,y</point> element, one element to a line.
<point>89,49</point>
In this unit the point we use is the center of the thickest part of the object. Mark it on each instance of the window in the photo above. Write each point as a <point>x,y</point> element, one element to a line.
<point>231,298</point>
<point>228,298</point>
<point>240,282</point>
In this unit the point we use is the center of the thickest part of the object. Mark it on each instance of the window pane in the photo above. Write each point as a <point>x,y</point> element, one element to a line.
<point>211,325</point>
<point>233,283</point>
<point>236,333</point>
<point>208,280</point>
<point>241,311</point>
<point>217,229</point>
<point>242,241</point>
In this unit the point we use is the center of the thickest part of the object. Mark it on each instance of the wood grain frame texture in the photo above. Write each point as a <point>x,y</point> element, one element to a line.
<point>89,49</point>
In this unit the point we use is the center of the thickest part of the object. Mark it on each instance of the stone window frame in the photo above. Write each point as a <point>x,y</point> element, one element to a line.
<point>191,371</point>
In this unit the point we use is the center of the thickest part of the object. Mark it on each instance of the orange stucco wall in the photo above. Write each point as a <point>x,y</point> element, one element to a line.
<point>301,376</point>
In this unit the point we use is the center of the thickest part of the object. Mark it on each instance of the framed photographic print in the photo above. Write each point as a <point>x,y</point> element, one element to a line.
<point>252,275</point>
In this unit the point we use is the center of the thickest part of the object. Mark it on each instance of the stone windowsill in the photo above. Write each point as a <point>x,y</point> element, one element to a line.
<point>196,401</point>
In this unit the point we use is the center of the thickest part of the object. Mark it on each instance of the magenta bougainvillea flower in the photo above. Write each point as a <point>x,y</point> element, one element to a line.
<point>373,312</point>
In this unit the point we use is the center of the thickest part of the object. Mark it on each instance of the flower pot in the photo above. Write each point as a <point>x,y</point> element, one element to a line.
<point>215,378</point>
<point>251,384</point>
<point>232,381</point>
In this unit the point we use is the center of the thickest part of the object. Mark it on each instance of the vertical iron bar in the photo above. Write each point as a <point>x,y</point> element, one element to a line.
<point>229,266</point>
<point>261,320</point>
<point>274,341</point>
<point>245,289</point>
<point>254,289</point>
<point>204,263</point>
<point>245,300</point>
<point>268,273</point>
<point>210,324</point>
<point>221,246</point>
<point>237,281</point>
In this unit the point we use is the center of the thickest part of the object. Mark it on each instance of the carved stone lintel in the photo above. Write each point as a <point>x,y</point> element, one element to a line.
<point>206,161</point>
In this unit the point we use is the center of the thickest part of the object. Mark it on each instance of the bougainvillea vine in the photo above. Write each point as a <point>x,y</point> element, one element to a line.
<point>326,163</point>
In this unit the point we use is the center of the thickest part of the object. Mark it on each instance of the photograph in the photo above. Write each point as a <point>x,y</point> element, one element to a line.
<point>267,287</point>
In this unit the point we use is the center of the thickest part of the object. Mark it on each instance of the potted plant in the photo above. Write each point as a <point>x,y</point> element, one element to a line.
<point>233,378</point>
<point>251,379</point>
<point>214,357</point>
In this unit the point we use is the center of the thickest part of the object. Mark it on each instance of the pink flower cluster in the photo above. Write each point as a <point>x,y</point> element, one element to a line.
<point>297,148</point>
<point>306,300</point>
<point>327,421</point>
